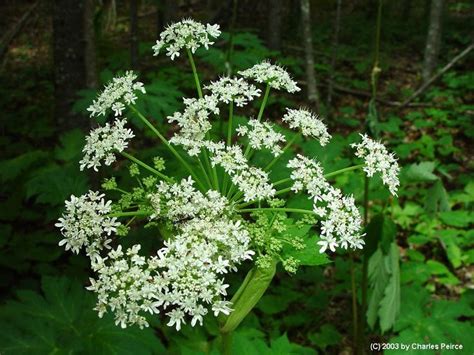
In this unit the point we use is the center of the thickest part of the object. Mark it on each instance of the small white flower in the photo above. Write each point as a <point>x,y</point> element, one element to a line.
<point>308,123</point>
<point>120,89</point>
<point>185,34</point>
<point>127,284</point>
<point>221,307</point>
<point>326,243</point>
<point>102,143</point>
<point>378,159</point>
<point>176,318</point>
<point>84,224</point>
<point>341,218</point>
<point>194,123</point>
<point>233,89</point>
<point>273,75</point>
<point>262,135</point>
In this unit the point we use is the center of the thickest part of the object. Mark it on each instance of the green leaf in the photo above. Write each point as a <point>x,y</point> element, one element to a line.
<point>327,336</point>
<point>427,320</point>
<point>380,231</point>
<point>448,240</point>
<point>12,168</point>
<point>390,304</point>
<point>310,255</point>
<point>62,320</point>
<point>421,172</point>
<point>52,185</point>
<point>437,199</point>
<point>460,218</point>
<point>378,278</point>
<point>71,146</point>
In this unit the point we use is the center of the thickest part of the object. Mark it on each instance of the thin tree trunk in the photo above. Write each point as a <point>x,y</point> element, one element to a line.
<point>274,24</point>
<point>90,55</point>
<point>335,44</point>
<point>133,33</point>
<point>70,70</point>
<point>312,90</point>
<point>433,39</point>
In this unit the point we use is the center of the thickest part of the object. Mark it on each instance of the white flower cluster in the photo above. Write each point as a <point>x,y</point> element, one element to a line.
<point>185,34</point>
<point>121,89</point>
<point>262,135</point>
<point>233,89</point>
<point>341,217</point>
<point>309,124</point>
<point>252,181</point>
<point>85,224</point>
<point>378,159</point>
<point>273,75</point>
<point>194,123</point>
<point>207,245</point>
<point>103,142</point>
<point>182,201</point>
<point>129,285</point>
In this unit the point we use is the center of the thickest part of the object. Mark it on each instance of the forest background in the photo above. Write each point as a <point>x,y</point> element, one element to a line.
<point>401,70</point>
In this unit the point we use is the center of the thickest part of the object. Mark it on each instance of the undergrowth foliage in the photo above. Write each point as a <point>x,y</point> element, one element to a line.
<point>227,211</point>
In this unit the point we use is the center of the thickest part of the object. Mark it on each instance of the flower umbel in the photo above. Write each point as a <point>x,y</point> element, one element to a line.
<point>262,135</point>
<point>102,143</point>
<point>273,75</point>
<point>378,159</point>
<point>85,224</point>
<point>185,34</point>
<point>119,91</point>
<point>341,217</point>
<point>236,90</point>
<point>194,123</point>
<point>308,123</point>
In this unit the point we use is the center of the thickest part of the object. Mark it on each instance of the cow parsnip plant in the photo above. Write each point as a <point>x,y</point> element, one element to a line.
<point>227,212</point>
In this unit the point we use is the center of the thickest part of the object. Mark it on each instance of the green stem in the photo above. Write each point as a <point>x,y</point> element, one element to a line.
<point>249,293</point>
<point>146,166</point>
<point>206,176</point>
<point>169,146</point>
<point>195,74</point>
<point>229,141</point>
<point>276,209</point>
<point>264,102</point>
<point>287,146</point>
<point>340,171</point>
<point>260,114</point>
<point>282,181</point>
<point>355,318</point>
<point>129,214</point>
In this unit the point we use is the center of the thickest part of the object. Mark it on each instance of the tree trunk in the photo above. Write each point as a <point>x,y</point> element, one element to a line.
<point>134,33</point>
<point>312,90</point>
<point>274,24</point>
<point>433,40</point>
<point>74,58</point>
<point>90,55</point>
<point>335,44</point>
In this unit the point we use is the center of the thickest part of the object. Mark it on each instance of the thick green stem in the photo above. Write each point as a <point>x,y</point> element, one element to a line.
<point>249,293</point>
<point>195,74</point>
<point>169,146</point>
<point>129,214</point>
<point>276,209</point>
<point>146,166</point>
<point>337,172</point>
